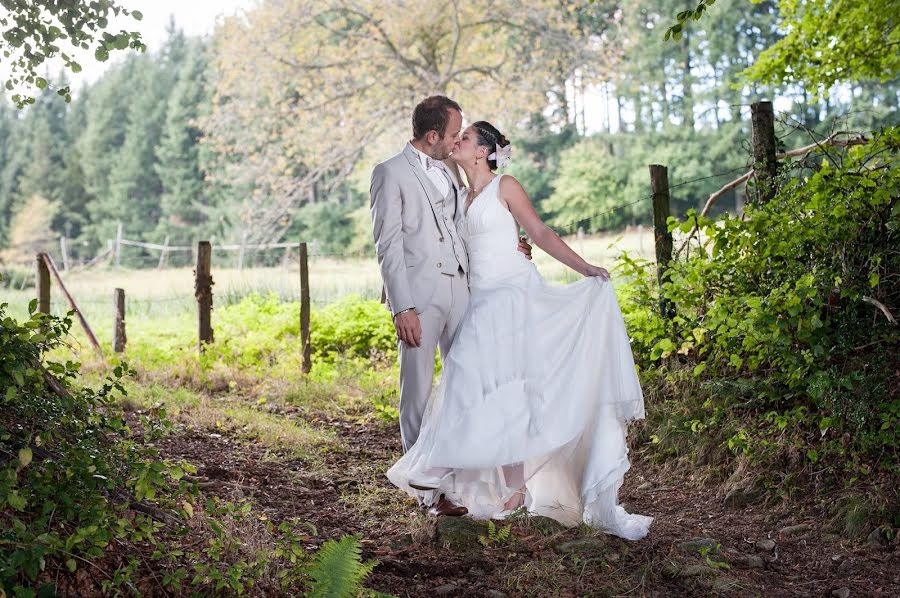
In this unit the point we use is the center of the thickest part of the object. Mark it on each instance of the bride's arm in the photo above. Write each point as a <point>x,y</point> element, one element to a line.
<point>519,204</point>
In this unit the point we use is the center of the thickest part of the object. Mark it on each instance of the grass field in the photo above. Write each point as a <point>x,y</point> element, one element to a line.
<point>163,294</point>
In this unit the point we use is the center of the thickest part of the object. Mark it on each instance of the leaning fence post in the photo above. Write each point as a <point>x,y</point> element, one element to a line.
<point>304,308</point>
<point>42,282</point>
<point>203,283</point>
<point>62,287</point>
<point>762,117</point>
<point>659,186</point>
<point>119,326</point>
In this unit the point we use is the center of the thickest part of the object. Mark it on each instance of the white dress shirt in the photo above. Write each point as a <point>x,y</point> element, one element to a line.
<point>435,174</point>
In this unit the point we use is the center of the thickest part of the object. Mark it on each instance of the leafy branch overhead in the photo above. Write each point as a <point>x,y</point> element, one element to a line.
<point>824,42</point>
<point>675,31</point>
<point>37,31</point>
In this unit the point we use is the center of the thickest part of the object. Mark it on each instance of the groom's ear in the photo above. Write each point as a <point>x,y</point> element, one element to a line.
<point>432,137</point>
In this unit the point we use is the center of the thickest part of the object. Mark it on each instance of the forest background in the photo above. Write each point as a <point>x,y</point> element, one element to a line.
<point>267,129</point>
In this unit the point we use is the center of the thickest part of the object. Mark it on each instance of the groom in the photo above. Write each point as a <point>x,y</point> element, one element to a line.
<point>415,208</point>
<point>416,204</point>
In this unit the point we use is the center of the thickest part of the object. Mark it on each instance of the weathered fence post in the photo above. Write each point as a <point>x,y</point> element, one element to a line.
<point>765,165</point>
<point>163,253</point>
<point>42,283</point>
<point>203,283</point>
<point>304,308</point>
<point>65,254</point>
<point>241,251</point>
<point>119,327</point>
<point>118,243</point>
<point>659,186</point>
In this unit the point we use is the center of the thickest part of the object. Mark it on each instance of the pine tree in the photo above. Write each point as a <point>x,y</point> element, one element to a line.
<point>10,163</point>
<point>178,153</point>
<point>45,122</point>
<point>105,117</point>
<point>73,214</point>
<point>125,119</point>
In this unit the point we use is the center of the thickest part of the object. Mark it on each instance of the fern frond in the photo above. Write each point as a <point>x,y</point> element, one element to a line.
<point>337,571</point>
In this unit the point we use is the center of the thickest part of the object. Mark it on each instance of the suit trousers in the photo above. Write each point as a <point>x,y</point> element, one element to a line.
<point>439,321</point>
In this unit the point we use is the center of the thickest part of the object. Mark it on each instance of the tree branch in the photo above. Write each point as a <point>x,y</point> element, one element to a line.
<point>725,189</point>
<point>882,307</point>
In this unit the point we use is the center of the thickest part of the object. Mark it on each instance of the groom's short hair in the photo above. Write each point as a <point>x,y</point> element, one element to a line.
<point>433,114</point>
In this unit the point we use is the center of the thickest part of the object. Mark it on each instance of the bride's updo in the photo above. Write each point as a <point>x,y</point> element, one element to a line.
<point>490,137</point>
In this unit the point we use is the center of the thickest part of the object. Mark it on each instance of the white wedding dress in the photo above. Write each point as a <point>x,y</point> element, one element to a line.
<point>537,389</point>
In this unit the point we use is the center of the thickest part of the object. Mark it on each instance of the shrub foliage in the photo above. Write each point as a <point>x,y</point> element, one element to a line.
<point>787,309</point>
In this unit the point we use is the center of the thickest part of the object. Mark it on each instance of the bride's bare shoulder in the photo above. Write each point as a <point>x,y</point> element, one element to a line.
<point>511,188</point>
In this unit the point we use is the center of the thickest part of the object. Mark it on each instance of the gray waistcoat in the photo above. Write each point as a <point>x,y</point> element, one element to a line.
<point>452,249</point>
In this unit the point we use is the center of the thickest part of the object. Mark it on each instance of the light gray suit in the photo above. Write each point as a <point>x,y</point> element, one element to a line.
<point>423,264</point>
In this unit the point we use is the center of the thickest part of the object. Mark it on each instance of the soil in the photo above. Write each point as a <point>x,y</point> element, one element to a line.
<point>347,493</point>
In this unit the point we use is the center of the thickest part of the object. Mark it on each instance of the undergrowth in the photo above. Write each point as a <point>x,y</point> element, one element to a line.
<point>81,492</point>
<point>781,352</point>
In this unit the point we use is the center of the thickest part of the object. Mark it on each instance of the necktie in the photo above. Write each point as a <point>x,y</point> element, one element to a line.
<point>431,163</point>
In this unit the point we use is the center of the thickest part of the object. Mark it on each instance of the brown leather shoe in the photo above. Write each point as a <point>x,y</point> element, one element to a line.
<point>444,507</point>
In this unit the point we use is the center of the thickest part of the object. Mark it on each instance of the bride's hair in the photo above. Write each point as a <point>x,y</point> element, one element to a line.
<point>490,137</point>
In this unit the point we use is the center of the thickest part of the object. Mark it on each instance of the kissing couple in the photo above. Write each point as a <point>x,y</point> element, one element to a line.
<point>538,382</point>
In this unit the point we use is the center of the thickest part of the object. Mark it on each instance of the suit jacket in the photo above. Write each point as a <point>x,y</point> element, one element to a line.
<point>407,233</point>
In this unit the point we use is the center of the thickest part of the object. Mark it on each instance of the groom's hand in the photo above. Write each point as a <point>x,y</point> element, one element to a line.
<point>524,247</point>
<point>409,329</point>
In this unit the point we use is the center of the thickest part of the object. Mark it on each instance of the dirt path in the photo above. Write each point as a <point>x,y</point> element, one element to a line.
<point>696,546</point>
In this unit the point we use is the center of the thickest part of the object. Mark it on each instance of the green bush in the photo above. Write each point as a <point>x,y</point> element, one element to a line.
<point>71,468</point>
<point>783,301</point>
<point>262,331</point>
<point>78,488</point>
<point>353,328</point>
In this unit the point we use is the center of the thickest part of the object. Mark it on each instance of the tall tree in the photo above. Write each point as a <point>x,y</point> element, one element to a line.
<point>126,112</point>
<point>11,162</point>
<point>184,189</point>
<point>303,88</point>
<point>42,174</point>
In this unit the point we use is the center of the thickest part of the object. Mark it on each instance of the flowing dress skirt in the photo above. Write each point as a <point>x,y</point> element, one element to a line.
<point>537,390</point>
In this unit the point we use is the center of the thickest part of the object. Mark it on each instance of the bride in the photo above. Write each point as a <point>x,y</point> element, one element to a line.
<point>537,389</point>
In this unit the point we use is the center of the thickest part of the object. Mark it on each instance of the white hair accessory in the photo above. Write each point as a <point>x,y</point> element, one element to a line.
<point>502,155</point>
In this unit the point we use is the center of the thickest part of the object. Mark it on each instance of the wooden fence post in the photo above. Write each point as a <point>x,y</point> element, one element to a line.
<point>118,243</point>
<point>119,327</point>
<point>659,186</point>
<point>64,252</point>
<point>42,283</point>
<point>305,308</point>
<point>241,251</point>
<point>203,283</point>
<point>763,140</point>
<point>163,253</point>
